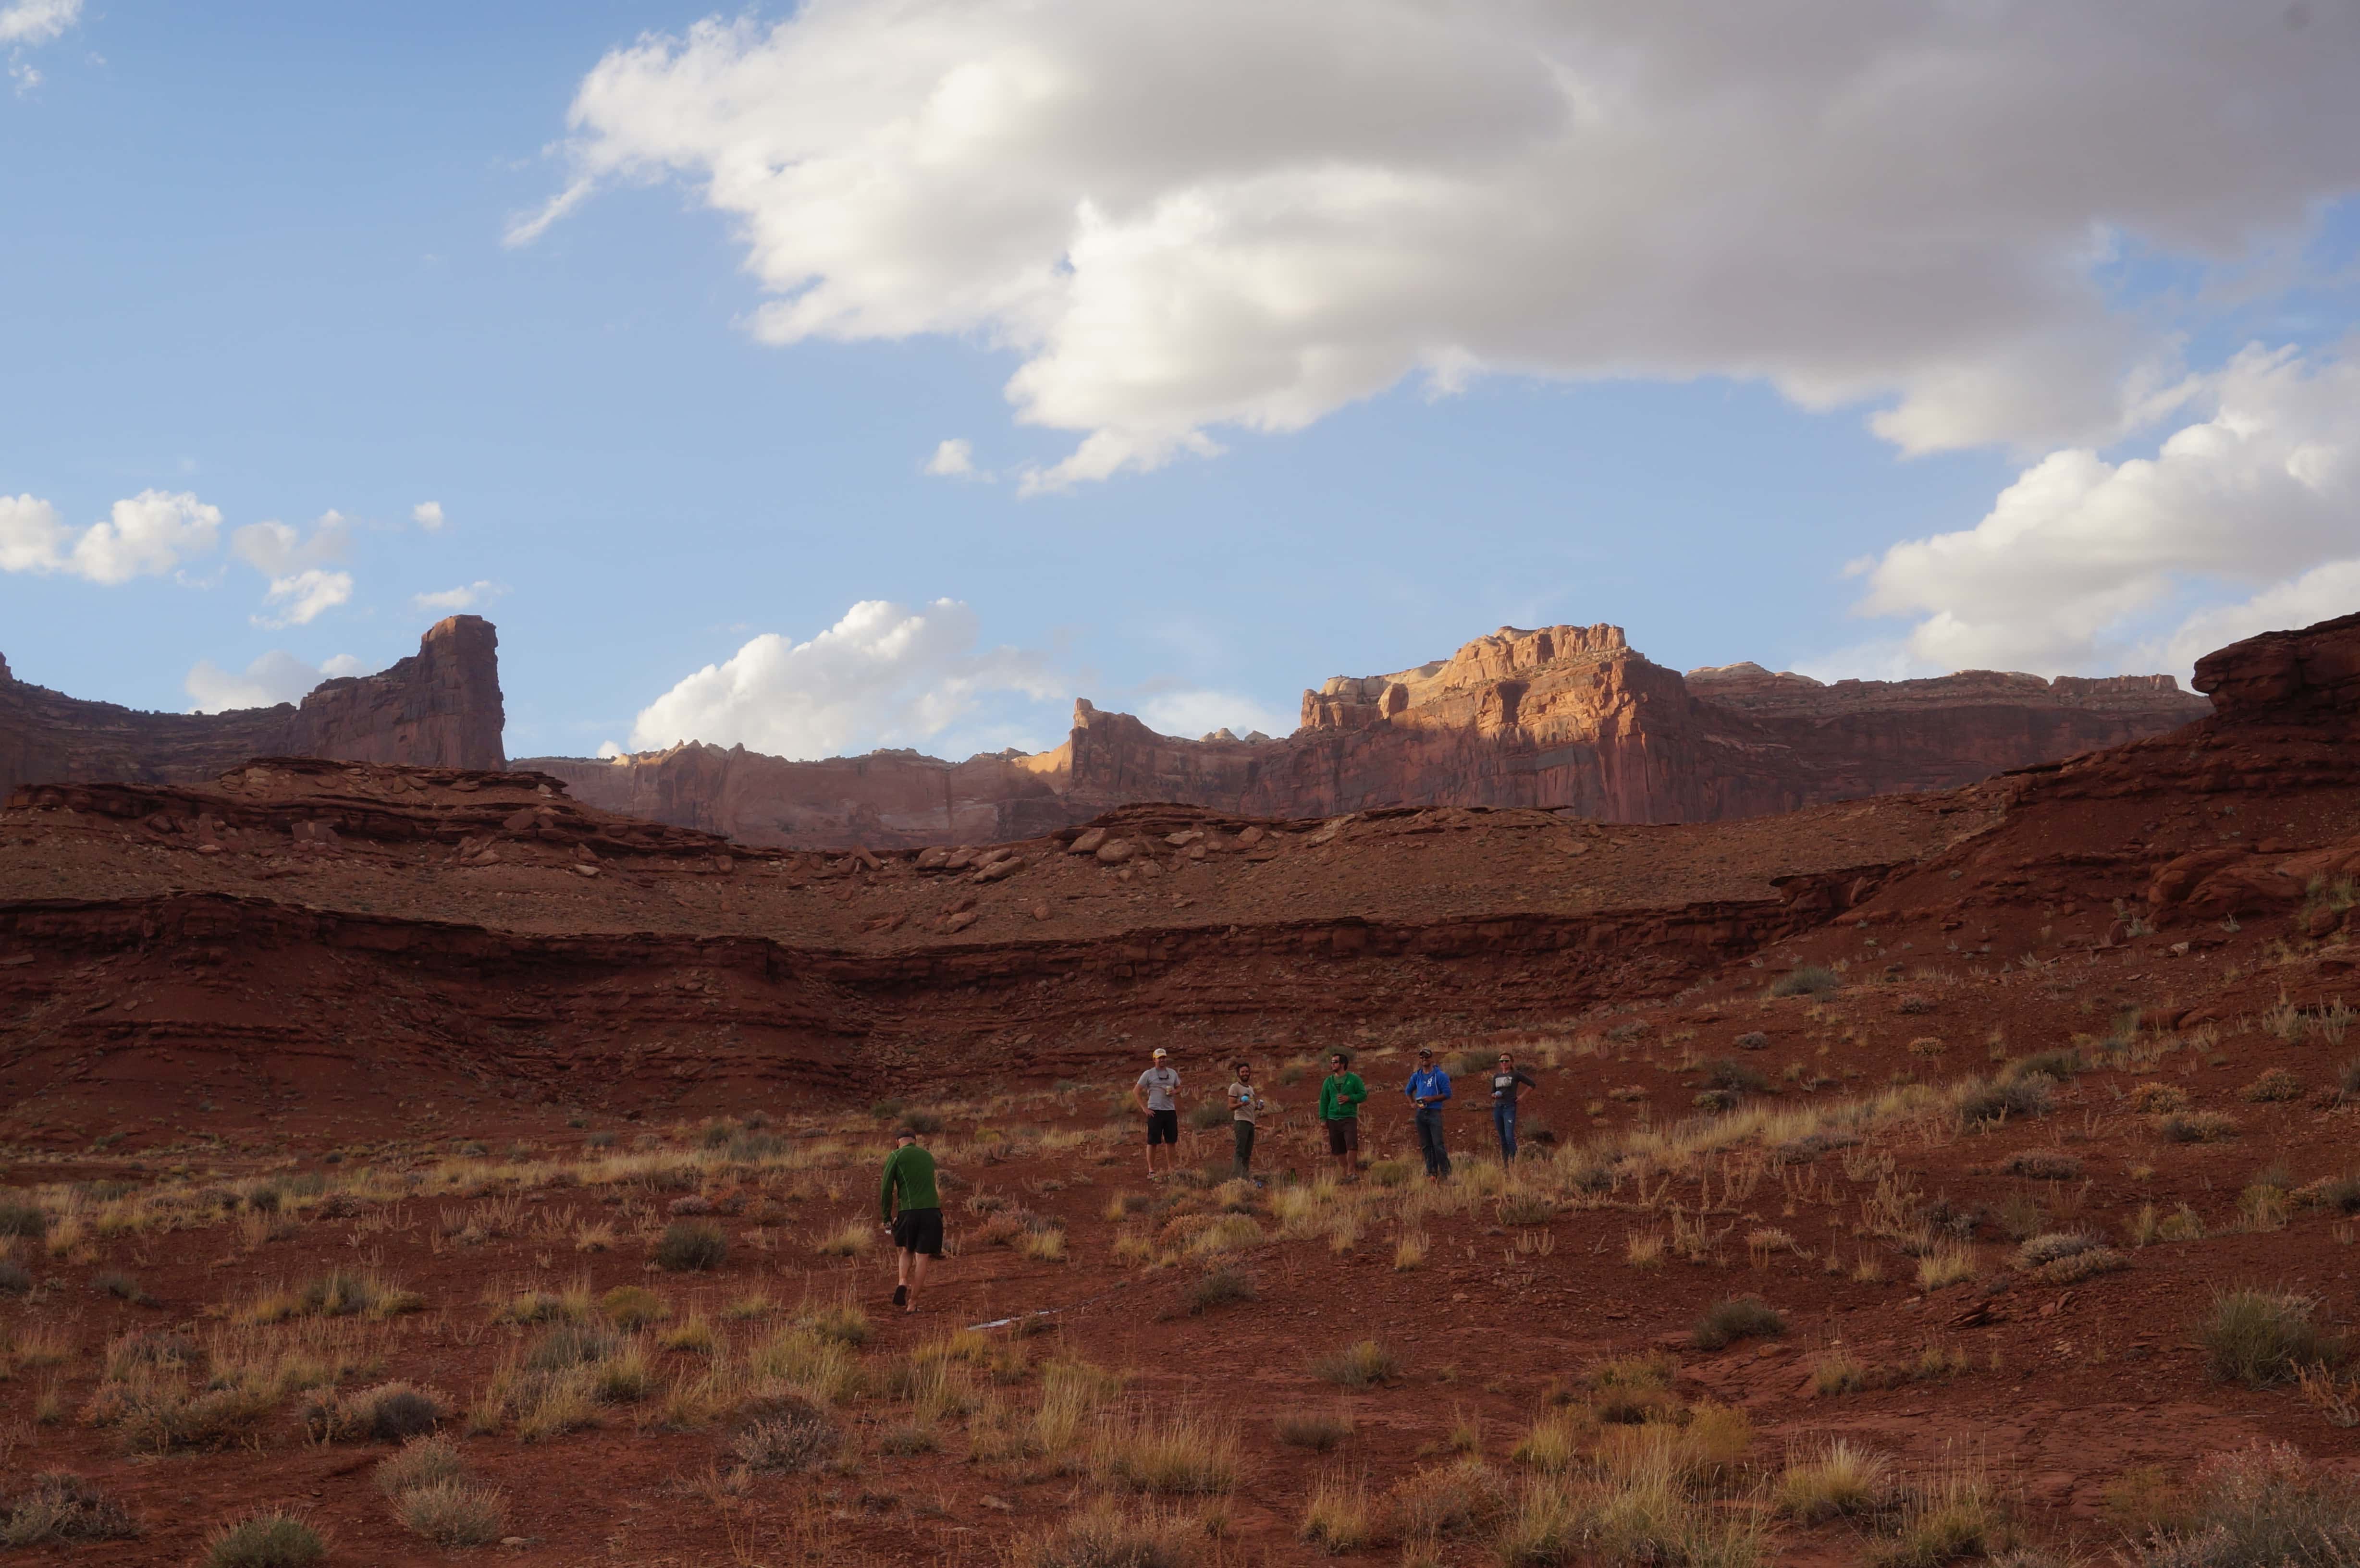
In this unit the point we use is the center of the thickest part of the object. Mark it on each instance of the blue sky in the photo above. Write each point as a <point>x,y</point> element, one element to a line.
<point>267,257</point>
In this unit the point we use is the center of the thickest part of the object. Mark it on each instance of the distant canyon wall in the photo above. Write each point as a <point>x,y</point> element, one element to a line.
<point>1566,717</point>
<point>439,708</point>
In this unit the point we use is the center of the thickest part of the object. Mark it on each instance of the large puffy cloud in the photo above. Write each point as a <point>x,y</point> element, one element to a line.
<point>37,21</point>
<point>883,675</point>
<point>1231,213</point>
<point>2087,565</point>
<point>301,588</point>
<point>276,677</point>
<point>145,536</point>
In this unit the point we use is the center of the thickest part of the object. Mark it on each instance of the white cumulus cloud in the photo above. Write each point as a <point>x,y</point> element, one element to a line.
<point>145,536</point>
<point>1191,713</point>
<point>1232,213</point>
<point>450,601</point>
<point>428,515</point>
<point>2086,565</point>
<point>883,675</point>
<point>303,597</point>
<point>955,459</point>
<point>37,21</point>
<point>276,677</point>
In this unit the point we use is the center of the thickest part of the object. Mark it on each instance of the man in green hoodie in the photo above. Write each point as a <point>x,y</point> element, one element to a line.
<point>1340,1093</point>
<point>912,1211</point>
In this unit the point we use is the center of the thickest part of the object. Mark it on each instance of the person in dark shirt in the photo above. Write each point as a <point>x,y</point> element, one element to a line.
<point>1505,1077</point>
<point>911,1207</point>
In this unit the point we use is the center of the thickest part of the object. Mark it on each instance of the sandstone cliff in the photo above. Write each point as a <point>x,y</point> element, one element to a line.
<point>1564,717</point>
<point>440,707</point>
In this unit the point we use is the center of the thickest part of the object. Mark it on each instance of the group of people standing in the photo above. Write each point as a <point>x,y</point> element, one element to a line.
<point>1341,1094</point>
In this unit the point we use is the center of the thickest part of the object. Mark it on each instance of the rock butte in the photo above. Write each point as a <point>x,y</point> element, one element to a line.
<point>439,708</point>
<point>1564,717</point>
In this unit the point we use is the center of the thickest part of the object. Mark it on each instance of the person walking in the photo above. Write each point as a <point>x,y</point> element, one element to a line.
<point>1245,1104</point>
<point>1340,1093</point>
<point>1505,1077</point>
<point>1429,1090</point>
<point>1154,1093</point>
<point>913,1210</point>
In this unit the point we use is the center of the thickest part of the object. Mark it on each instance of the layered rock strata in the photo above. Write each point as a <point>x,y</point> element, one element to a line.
<point>1567,718</point>
<point>439,708</point>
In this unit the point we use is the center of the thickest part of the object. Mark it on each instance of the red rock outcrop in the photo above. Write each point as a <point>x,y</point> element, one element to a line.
<point>1562,717</point>
<point>439,708</point>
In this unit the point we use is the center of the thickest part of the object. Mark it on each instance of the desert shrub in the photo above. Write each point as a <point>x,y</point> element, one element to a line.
<point>453,1512</point>
<point>1952,1516</point>
<point>1946,1264</point>
<point>2277,1084</point>
<point>2265,1507</point>
<point>845,1322</point>
<point>274,1539</point>
<point>390,1412</point>
<point>1389,1172</point>
<point>2341,1193</point>
<point>2157,1099</point>
<point>1362,1364</point>
<point>691,1245</point>
<point>1217,1288</point>
<point>1729,1073</point>
<point>2043,1165</point>
<point>783,1433</point>
<point>1317,1431</point>
<point>1982,1102</point>
<point>2197,1127</point>
<point>1524,1208</point>
<point>2056,1065</point>
<point>918,1119</point>
<point>58,1507</point>
<point>423,1462</point>
<point>1734,1318</point>
<point>1806,980</point>
<point>633,1306</point>
<point>1111,1534</point>
<point>2084,1265</point>
<point>23,1217</point>
<point>2260,1337</point>
<point>1753,1040</point>
<point>1553,1445</point>
<point>1206,1114</point>
<point>1445,1500</point>
<point>15,1279</point>
<point>2051,1245</point>
<point>1835,1480</point>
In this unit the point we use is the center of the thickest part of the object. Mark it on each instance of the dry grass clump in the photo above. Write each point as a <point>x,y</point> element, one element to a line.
<point>1186,1452</point>
<point>1948,1515</point>
<point>2262,1337</point>
<point>1363,1363</point>
<point>1835,1480</point>
<point>2277,1084</point>
<point>633,1306</point>
<point>2154,1099</point>
<point>2084,1265</point>
<point>1806,980</point>
<point>782,1433</point>
<point>272,1539</point>
<point>1949,1263</point>
<point>421,1462</point>
<point>1555,1442</point>
<point>1317,1431</point>
<point>340,1292</point>
<point>2265,1506</point>
<point>1339,1514</point>
<point>2197,1127</point>
<point>1109,1533</point>
<point>1734,1318</point>
<point>852,1239</point>
<point>692,1246</point>
<point>2043,1165</point>
<point>63,1508</point>
<point>1218,1286</point>
<point>390,1412</point>
<point>1983,1102</point>
<point>2050,1245</point>
<point>453,1513</point>
<point>1445,1502</point>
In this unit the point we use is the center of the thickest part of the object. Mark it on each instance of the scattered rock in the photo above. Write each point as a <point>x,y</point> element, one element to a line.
<point>1115,851</point>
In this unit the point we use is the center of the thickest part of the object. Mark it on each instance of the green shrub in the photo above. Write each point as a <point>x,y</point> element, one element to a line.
<point>2057,1065</point>
<point>1218,1288</point>
<point>1981,1101</point>
<point>2261,1337</point>
<point>274,1539</point>
<point>1728,1072</point>
<point>691,1245</point>
<point>23,1217</point>
<point>1737,1317</point>
<point>633,1306</point>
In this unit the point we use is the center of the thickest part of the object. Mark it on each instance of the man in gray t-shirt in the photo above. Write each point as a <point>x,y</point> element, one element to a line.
<point>1154,1093</point>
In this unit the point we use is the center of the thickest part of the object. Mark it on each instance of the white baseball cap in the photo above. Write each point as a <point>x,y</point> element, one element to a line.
<point>1159,1050</point>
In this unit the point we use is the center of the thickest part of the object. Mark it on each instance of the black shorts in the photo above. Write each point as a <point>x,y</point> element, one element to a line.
<point>919,1230</point>
<point>1163,1126</point>
<point>1344,1136</point>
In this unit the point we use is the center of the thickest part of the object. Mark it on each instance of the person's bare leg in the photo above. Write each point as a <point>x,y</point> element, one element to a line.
<point>901,1278</point>
<point>917,1267</point>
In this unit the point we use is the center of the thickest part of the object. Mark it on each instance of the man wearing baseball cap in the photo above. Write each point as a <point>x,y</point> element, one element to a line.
<point>1154,1093</point>
<point>1429,1090</point>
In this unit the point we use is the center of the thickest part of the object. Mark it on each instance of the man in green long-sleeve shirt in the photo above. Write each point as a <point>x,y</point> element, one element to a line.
<point>912,1211</point>
<point>1340,1093</point>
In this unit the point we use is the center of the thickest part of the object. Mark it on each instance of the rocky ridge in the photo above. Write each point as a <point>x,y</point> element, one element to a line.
<point>439,708</point>
<point>1564,718</point>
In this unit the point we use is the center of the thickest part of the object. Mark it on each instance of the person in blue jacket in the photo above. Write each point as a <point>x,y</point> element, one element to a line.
<point>1430,1089</point>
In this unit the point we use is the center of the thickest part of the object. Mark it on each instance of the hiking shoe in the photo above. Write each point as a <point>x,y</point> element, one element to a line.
<point>900,1295</point>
